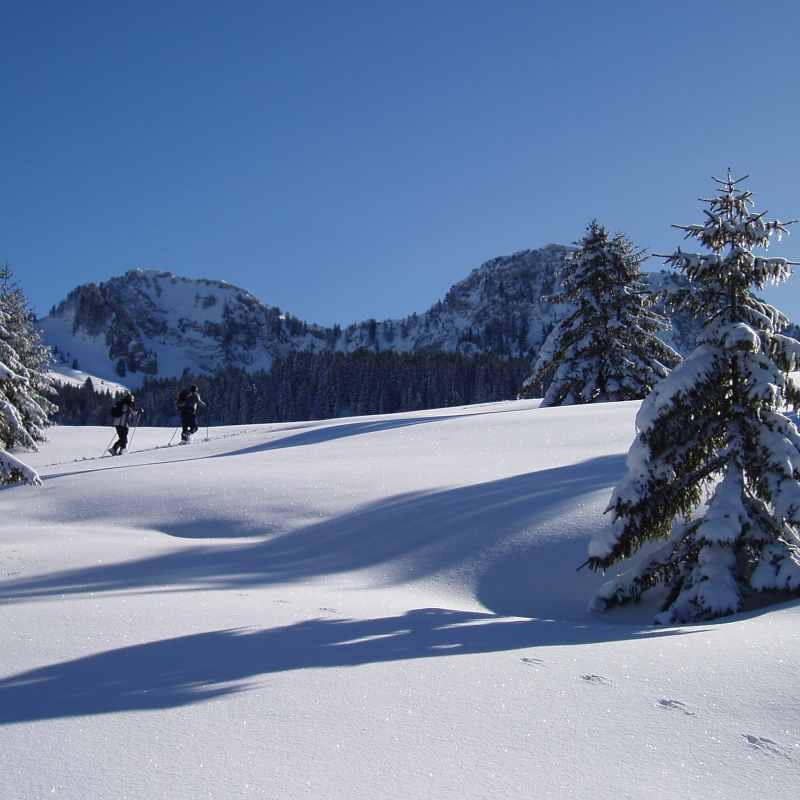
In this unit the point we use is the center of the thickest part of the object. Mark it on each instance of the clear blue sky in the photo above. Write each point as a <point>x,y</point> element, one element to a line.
<point>347,159</point>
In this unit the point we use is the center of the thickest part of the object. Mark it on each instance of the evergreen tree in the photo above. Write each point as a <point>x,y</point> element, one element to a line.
<point>605,348</point>
<point>22,418</point>
<point>25,409</point>
<point>11,469</point>
<point>715,467</point>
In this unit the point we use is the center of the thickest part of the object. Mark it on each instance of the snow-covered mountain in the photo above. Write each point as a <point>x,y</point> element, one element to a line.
<point>156,323</point>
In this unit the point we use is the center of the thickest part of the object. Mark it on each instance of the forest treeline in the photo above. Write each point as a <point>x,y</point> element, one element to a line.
<point>315,385</point>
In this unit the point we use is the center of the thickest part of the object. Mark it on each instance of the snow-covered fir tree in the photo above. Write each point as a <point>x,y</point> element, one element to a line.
<point>605,348</point>
<point>714,471</point>
<point>24,409</point>
<point>12,470</point>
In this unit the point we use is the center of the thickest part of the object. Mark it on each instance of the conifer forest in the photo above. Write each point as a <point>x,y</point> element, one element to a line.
<point>316,385</point>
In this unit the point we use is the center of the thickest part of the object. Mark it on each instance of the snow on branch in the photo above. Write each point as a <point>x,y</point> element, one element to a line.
<point>12,470</point>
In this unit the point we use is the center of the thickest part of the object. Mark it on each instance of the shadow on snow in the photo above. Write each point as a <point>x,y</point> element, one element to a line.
<point>191,669</point>
<point>502,541</point>
<point>302,434</point>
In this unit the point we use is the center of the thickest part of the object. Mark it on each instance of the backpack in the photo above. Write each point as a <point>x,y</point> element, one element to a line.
<point>182,399</point>
<point>117,409</point>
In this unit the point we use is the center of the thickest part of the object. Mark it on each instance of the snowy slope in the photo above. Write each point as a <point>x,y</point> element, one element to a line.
<point>382,607</point>
<point>67,376</point>
<point>157,323</point>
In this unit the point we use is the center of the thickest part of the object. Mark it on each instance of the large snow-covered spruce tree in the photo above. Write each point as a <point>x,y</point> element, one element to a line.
<point>714,471</point>
<point>605,348</point>
<point>24,409</point>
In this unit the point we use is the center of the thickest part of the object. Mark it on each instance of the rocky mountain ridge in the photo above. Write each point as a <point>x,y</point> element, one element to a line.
<point>156,323</point>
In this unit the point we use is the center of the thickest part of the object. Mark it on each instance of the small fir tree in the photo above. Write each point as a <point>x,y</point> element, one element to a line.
<point>606,348</point>
<point>715,467</point>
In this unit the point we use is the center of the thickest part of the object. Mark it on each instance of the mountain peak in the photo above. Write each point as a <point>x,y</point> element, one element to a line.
<point>149,322</point>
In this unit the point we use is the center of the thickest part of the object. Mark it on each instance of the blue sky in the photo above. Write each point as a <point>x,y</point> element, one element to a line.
<point>348,159</point>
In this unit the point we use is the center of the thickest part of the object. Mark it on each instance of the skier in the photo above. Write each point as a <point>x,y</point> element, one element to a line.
<point>187,404</point>
<point>125,410</point>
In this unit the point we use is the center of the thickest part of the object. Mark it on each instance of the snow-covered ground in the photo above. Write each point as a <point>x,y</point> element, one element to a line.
<point>382,607</point>
<point>61,373</point>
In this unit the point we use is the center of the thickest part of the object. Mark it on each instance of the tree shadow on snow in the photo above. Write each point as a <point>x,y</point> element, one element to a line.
<point>307,434</point>
<point>319,434</point>
<point>515,543</point>
<point>507,537</point>
<point>191,669</point>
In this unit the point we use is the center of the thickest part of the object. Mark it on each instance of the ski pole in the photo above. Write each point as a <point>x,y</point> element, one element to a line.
<point>110,443</point>
<point>208,413</point>
<point>173,436</point>
<point>138,417</point>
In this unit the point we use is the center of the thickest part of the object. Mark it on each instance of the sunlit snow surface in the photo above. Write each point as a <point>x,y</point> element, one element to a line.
<point>378,607</point>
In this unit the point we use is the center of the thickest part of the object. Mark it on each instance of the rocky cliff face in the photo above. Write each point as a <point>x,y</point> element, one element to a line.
<point>156,323</point>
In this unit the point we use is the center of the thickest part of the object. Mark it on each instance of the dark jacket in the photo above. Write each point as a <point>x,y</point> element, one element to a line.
<point>192,401</point>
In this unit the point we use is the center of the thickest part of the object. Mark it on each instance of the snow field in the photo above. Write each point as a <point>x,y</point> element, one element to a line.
<point>372,607</point>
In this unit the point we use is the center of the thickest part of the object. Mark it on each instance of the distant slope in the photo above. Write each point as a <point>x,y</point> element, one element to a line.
<point>66,376</point>
<point>157,323</point>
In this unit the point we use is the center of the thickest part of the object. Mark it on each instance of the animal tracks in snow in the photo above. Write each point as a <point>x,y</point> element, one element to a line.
<point>11,564</point>
<point>598,679</point>
<point>761,743</point>
<point>766,745</point>
<point>676,705</point>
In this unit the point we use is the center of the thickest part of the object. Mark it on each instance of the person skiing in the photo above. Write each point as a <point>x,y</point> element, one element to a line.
<point>124,411</point>
<point>187,404</point>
